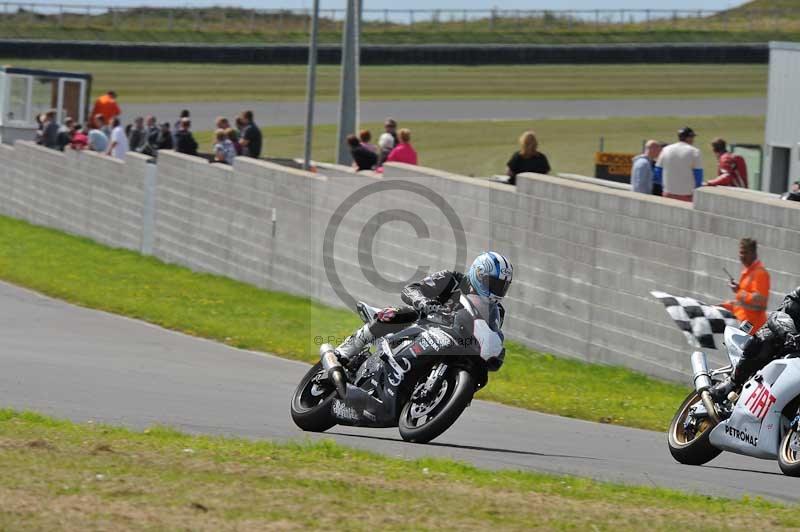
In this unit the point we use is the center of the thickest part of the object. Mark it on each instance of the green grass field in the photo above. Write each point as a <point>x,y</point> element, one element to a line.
<point>241,315</point>
<point>482,148</point>
<point>138,82</point>
<point>59,475</point>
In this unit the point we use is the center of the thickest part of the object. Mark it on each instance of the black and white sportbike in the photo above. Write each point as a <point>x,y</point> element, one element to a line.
<point>763,421</point>
<point>419,379</point>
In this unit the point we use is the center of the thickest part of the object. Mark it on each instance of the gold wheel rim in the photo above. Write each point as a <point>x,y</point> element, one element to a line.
<point>678,432</point>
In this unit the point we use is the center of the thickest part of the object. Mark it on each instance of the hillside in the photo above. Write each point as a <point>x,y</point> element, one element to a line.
<point>757,21</point>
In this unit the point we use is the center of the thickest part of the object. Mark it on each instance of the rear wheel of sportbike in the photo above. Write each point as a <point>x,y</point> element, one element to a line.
<point>423,418</point>
<point>688,438</point>
<point>789,453</point>
<point>311,402</point>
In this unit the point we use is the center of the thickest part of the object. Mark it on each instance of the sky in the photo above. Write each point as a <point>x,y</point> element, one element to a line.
<point>435,4</point>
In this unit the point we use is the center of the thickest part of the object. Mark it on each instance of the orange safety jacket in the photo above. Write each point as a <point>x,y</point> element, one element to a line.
<point>107,106</point>
<point>751,298</point>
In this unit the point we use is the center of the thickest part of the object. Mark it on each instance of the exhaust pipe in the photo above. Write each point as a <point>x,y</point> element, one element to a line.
<point>331,364</point>
<point>701,375</point>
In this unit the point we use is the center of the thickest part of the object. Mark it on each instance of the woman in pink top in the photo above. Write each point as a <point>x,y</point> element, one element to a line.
<point>403,152</point>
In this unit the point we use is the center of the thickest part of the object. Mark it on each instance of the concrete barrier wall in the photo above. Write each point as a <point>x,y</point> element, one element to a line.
<point>82,193</point>
<point>586,256</point>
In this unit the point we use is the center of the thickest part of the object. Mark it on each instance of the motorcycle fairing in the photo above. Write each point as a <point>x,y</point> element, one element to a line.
<point>756,426</point>
<point>734,343</point>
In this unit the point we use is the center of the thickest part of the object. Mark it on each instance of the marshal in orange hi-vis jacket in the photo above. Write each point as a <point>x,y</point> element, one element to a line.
<point>752,290</point>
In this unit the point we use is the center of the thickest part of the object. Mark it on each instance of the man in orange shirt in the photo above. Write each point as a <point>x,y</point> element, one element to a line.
<point>106,105</point>
<point>752,290</point>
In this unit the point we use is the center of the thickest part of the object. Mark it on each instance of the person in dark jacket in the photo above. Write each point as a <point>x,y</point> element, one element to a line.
<point>164,138</point>
<point>184,140</point>
<point>527,159</point>
<point>777,338</point>
<point>489,276</point>
<point>363,158</point>
<point>250,139</point>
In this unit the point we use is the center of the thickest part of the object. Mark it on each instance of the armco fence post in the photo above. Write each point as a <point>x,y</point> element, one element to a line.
<point>149,208</point>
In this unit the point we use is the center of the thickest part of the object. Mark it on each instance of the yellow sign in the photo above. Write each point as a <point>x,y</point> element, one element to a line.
<point>613,166</point>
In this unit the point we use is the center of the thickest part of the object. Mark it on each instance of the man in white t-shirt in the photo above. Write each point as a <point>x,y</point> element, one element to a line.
<point>679,167</point>
<point>118,146</point>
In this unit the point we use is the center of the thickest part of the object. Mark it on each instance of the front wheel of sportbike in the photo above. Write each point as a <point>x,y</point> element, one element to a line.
<point>688,436</point>
<point>426,416</point>
<point>311,402</point>
<point>789,453</point>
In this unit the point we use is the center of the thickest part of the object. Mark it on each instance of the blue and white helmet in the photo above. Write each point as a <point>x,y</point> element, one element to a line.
<point>490,275</point>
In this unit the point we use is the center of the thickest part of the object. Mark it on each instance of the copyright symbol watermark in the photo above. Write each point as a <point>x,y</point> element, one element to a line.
<point>412,200</point>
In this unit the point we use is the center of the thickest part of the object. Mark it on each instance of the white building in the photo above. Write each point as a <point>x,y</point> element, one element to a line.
<point>782,139</point>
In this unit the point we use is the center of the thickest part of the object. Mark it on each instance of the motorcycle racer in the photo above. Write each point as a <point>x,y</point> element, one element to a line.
<point>489,276</point>
<point>778,338</point>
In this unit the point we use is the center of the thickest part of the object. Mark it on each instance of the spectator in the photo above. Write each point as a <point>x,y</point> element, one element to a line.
<point>386,145</point>
<point>164,139</point>
<point>390,127</point>
<point>224,151</point>
<point>403,152</point>
<point>50,131</point>
<point>101,124</point>
<point>363,158</point>
<point>794,192</point>
<point>106,106</point>
<point>39,128</point>
<point>679,167</point>
<point>177,127</point>
<point>233,136</point>
<point>79,140</point>
<point>365,136</point>
<point>65,133</point>
<point>731,168</point>
<point>184,140</point>
<point>98,141</point>
<point>643,167</point>
<point>119,141</point>
<point>388,139</point>
<point>151,132</point>
<point>527,159</point>
<point>250,139</point>
<point>752,290</point>
<point>222,123</point>
<point>137,138</point>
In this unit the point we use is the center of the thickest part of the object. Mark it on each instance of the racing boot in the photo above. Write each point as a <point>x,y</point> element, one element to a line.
<point>720,391</point>
<point>354,344</point>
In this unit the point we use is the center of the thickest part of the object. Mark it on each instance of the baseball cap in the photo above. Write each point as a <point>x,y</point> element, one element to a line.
<point>686,132</point>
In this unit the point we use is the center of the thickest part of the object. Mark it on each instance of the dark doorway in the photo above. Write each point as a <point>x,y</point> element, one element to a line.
<point>779,170</point>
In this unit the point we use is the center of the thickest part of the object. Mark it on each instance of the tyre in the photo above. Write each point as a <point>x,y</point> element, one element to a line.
<point>423,419</point>
<point>789,453</point>
<point>690,446</point>
<point>311,402</point>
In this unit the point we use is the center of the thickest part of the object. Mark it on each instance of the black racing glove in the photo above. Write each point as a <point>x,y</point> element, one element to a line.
<point>428,306</point>
<point>791,344</point>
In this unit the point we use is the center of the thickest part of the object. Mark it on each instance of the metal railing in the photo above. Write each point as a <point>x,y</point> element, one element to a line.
<point>76,16</point>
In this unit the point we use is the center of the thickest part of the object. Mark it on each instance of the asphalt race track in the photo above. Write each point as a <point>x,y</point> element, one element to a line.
<point>293,113</point>
<point>72,362</point>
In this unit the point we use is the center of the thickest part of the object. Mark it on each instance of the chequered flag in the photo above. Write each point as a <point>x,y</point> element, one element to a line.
<point>698,322</point>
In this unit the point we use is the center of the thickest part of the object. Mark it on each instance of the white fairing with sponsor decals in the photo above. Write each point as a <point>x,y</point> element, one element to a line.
<point>756,426</point>
<point>490,342</point>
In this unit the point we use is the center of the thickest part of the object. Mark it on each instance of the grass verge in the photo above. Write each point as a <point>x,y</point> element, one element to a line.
<point>59,475</point>
<point>154,82</point>
<point>123,282</point>
<point>482,148</point>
